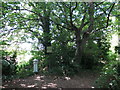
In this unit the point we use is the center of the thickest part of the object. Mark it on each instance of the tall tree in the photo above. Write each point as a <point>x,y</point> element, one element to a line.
<point>82,19</point>
<point>31,17</point>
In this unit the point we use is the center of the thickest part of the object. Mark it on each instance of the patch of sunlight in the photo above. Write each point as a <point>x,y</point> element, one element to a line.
<point>2,87</point>
<point>23,85</point>
<point>23,58</point>
<point>51,85</point>
<point>38,78</point>
<point>113,18</point>
<point>44,87</point>
<point>114,42</point>
<point>27,58</point>
<point>26,46</point>
<point>67,78</point>
<point>31,86</point>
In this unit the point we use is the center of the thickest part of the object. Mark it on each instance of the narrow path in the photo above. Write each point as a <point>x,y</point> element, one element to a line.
<point>84,80</point>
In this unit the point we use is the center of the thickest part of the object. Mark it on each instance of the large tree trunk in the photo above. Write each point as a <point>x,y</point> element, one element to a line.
<point>82,38</point>
<point>46,32</point>
<point>78,53</point>
<point>80,43</point>
<point>46,37</point>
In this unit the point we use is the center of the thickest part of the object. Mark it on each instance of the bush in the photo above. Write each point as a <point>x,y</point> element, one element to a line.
<point>110,76</point>
<point>25,69</point>
<point>59,62</point>
<point>56,71</point>
<point>8,69</point>
<point>90,57</point>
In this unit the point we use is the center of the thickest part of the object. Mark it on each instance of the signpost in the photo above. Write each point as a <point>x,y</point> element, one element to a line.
<point>49,49</point>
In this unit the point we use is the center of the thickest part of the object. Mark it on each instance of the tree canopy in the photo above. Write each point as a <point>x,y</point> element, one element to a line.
<point>74,30</point>
<point>65,37</point>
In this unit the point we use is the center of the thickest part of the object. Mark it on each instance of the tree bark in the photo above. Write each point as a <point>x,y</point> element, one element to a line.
<point>81,40</point>
<point>78,53</point>
<point>46,32</point>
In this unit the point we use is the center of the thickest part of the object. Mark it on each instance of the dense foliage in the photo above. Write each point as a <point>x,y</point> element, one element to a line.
<point>8,65</point>
<point>110,76</point>
<point>79,34</point>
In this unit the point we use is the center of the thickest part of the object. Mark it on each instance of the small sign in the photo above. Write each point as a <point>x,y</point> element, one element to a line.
<point>49,49</point>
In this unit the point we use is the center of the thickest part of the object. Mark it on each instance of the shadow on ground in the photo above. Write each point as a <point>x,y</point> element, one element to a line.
<point>84,80</point>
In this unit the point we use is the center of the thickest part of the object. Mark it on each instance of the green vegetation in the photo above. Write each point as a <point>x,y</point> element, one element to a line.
<point>79,34</point>
<point>8,66</point>
<point>110,76</point>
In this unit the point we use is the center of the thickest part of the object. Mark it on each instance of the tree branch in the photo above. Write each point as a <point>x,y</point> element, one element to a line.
<point>91,17</point>
<point>75,7</point>
<point>71,12</point>
<point>112,6</point>
<point>102,10</point>
<point>28,11</point>
<point>63,10</point>
<point>37,35</point>
<point>32,19</point>
<point>98,4</point>
<point>83,21</point>
<point>73,27</point>
<point>109,14</point>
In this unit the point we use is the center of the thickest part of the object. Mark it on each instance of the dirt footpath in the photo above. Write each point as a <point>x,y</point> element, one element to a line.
<point>84,80</point>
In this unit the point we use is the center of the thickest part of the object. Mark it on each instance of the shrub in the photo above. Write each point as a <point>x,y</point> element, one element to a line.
<point>110,76</point>
<point>25,69</point>
<point>8,69</point>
